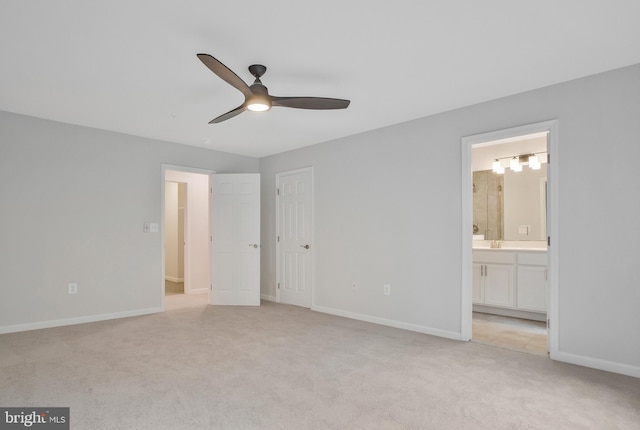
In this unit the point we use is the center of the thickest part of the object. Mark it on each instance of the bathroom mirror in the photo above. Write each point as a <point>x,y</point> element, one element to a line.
<point>510,206</point>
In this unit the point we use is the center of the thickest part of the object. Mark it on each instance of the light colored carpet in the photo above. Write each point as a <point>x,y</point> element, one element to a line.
<point>284,367</point>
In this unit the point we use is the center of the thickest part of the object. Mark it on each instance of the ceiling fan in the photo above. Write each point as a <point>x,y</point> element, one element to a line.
<point>256,96</point>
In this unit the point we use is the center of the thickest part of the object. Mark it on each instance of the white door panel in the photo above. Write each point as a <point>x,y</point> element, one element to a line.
<point>295,241</point>
<point>235,208</point>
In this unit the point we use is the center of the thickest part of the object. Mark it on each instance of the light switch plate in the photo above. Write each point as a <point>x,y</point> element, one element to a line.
<point>73,288</point>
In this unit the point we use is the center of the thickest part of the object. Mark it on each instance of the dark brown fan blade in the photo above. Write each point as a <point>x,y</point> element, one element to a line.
<point>229,115</point>
<point>225,74</point>
<point>310,102</point>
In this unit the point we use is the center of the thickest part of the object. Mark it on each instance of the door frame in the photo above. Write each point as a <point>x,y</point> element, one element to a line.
<point>313,230</point>
<point>466,304</point>
<point>187,251</point>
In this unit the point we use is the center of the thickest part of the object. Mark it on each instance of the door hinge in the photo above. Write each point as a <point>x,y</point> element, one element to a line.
<point>210,238</point>
<point>278,238</point>
<point>549,323</point>
<point>548,240</point>
<point>278,285</point>
<point>548,158</point>
<point>211,287</point>
<point>210,190</point>
<point>278,191</point>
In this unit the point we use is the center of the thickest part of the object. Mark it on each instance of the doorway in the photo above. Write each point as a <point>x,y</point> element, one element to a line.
<point>509,281</point>
<point>175,198</point>
<point>185,221</point>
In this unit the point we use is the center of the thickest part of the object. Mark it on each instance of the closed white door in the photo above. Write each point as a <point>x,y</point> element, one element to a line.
<point>295,241</point>
<point>235,231</point>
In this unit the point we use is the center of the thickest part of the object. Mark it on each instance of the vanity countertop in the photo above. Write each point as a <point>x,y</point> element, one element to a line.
<point>509,248</point>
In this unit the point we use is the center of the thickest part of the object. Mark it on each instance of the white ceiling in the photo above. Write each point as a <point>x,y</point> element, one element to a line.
<point>131,66</point>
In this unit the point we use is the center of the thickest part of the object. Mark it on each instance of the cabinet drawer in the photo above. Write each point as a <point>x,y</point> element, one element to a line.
<point>532,258</point>
<point>501,257</point>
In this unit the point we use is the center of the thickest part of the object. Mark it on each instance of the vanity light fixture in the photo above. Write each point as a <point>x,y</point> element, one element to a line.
<point>517,161</point>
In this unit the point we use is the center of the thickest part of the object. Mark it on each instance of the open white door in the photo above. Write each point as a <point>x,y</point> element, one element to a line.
<point>235,231</point>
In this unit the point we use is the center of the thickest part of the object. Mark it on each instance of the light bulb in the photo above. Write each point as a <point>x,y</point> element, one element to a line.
<point>515,165</point>
<point>534,164</point>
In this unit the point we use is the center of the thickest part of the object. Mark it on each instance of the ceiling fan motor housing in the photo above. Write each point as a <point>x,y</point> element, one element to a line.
<point>260,100</point>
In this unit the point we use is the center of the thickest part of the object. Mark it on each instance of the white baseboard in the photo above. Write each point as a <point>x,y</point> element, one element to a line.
<point>197,291</point>
<point>268,297</point>
<point>78,320</point>
<point>596,363</point>
<point>172,279</point>
<point>391,323</point>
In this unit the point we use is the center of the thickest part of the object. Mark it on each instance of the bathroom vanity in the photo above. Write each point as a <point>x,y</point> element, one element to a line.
<point>510,281</point>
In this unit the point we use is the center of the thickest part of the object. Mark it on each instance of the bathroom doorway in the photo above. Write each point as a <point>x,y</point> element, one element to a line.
<point>508,265</point>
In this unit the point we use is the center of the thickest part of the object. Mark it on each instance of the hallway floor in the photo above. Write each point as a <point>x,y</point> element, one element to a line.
<point>171,288</point>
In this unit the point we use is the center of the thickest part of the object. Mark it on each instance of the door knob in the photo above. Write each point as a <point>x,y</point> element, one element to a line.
<point>255,245</point>
<point>305,246</point>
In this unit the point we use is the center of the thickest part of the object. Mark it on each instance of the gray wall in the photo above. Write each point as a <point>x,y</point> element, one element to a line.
<point>73,201</point>
<point>388,210</point>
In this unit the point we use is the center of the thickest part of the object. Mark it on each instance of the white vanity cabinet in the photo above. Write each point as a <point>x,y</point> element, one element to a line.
<point>532,282</point>
<point>512,283</point>
<point>493,278</point>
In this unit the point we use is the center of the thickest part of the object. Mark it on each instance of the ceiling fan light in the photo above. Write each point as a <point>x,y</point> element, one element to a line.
<point>258,107</point>
<point>259,103</point>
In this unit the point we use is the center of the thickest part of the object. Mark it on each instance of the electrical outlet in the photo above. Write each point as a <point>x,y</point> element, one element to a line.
<point>73,288</point>
<point>354,285</point>
<point>387,289</point>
